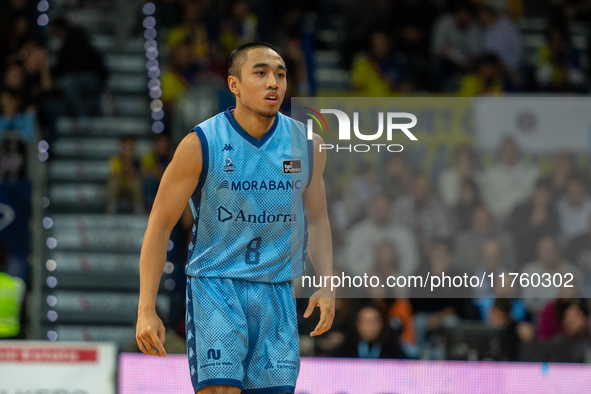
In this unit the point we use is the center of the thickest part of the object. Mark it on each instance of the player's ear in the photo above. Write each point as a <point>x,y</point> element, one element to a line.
<point>233,84</point>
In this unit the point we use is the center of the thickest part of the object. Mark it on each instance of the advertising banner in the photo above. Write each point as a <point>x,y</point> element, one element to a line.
<point>51,368</point>
<point>140,374</point>
<point>538,124</point>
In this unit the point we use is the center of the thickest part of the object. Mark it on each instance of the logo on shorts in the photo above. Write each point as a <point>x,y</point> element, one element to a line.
<point>229,167</point>
<point>292,166</point>
<point>269,365</point>
<point>215,354</point>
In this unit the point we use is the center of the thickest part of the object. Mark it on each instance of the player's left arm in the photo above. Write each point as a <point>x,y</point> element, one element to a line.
<point>319,240</point>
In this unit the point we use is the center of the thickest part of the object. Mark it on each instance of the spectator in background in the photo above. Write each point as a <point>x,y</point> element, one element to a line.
<point>125,178</point>
<point>362,241</point>
<point>373,337</point>
<point>37,78</point>
<point>12,294</point>
<point>501,37</point>
<point>508,182</point>
<point>512,8</point>
<point>379,73</point>
<point>39,85</point>
<point>557,66</point>
<point>469,243</point>
<point>12,117</point>
<point>492,261</point>
<point>153,165</point>
<point>401,320</point>
<point>14,32</point>
<point>500,317</point>
<point>386,264</point>
<point>579,251</point>
<point>469,200</point>
<point>183,74</point>
<point>563,165</point>
<point>192,30</point>
<point>489,78</point>
<point>360,190</point>
<point>423,213</point>
<point>397,179</point>
<point>80,71</point>
<point>575,330</point>
<point>295,62</point>
<point>532,220</point>
<point>444,306</point>
<point>240,26</point>
<point>413,24</point>
<point>550,261</point>
<point>455,46</point>
<point>14,80</point>
<point>550,319</point>
<point>574,208</point>
<point>451,179</point>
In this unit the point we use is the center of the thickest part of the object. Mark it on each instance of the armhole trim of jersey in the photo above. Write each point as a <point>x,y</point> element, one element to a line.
<point>204,158</point>
<point>310,161</point>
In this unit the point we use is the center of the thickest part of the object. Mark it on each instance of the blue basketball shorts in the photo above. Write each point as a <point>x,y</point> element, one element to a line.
<point>242,334</point>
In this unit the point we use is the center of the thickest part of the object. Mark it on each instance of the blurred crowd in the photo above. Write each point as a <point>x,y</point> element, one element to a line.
<point>35,90</point>
<point>467,48</point>
<point>508,217</point>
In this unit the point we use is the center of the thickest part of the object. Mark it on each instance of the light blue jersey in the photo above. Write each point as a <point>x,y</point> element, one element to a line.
<point>250,220</point>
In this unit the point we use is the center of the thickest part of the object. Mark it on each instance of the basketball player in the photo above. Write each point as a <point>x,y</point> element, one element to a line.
<point>254,184</point>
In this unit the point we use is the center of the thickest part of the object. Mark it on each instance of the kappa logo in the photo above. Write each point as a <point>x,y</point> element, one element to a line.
<point>292,166</point>
<point>269,365</point>
<point>229,167</point>
<point>227,147</point>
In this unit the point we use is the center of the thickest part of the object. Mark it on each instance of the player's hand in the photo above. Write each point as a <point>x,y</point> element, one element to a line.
<point>324,299</point>
<point>150,334</point>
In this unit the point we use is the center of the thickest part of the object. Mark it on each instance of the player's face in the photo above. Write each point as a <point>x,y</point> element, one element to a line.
<point>263,83</point>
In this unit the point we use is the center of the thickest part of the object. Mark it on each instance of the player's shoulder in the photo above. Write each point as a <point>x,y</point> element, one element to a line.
<point>212,124</point>
<point>291,124</point>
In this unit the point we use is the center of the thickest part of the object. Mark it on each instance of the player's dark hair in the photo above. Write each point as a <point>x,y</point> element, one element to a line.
<point>240,54</point>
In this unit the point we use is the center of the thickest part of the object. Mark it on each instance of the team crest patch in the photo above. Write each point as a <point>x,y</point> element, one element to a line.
<point>229,167</point>
<point>292,166</point>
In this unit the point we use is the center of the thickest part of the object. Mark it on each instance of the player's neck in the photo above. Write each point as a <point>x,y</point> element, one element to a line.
<point>253,124</point>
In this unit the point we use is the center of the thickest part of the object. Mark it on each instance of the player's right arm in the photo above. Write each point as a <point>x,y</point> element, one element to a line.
<point>176,187</point>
